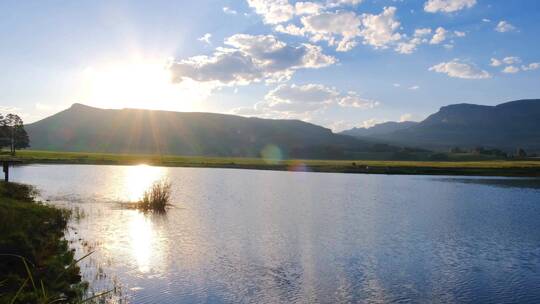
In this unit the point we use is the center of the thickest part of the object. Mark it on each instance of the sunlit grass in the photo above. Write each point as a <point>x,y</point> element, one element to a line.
<point>480,167</point>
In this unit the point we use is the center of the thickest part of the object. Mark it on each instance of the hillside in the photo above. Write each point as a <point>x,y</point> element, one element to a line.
<point>378,129</point>
<point>506,126</point>
<point>84,128</point>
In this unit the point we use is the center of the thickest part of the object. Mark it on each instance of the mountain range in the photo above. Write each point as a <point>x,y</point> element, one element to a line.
<point>507,126</point>
<point>89,129</point>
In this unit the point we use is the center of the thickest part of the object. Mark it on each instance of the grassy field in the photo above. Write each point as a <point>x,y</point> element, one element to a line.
<point>488,167</point>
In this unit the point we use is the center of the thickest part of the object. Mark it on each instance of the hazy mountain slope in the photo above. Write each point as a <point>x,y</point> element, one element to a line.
<point>382,128</point>
<point>83,128</point>
<point>505,126</point>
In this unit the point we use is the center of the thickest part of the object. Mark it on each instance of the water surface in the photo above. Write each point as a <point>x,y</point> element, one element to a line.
<point>278,237</point>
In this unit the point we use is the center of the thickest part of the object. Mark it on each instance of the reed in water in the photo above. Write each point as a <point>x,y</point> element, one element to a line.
<point>157,197</point>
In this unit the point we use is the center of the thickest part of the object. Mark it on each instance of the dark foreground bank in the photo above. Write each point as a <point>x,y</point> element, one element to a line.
<point>36,264</point>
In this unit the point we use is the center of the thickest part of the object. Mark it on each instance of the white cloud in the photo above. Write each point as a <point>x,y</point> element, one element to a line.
<point>248,59</point>
<point>380,30</point>
<point>506,61</point>
<point>230,11</point>
<point>274,54</point>
<point>302,101</point>
<point>273,11</point>
<point>510,69</point>
<point>511,60</point>
<point>342,28</point>
<point>439,36</point>
<point>352,100</point>
<point>371,122</point>
<point>495,62</point>
<point>298,98</point>
<point>290,29</point>
<point>414,87</point>
<point>279,11</point>
<point>511,63</point>
<point>311,97</point>
<point>408,47</point>
<point>447,6</point>
<point>338,29</point>
<point>421,32</point>
<point>504,26</point>
<point>458,69</point>
<point>206,38</point>
<point>486,20</point>
<point>531,66</point>
<point>405,117</point>
<point>337,3</point>
<point>397,85</point>
<point>308,8</point>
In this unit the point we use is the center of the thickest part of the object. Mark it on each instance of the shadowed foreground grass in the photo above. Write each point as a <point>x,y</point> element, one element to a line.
<point>484,167</point>
<point>36,265</point>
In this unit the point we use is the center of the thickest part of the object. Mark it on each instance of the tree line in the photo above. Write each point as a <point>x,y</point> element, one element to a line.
<point>12,133</point>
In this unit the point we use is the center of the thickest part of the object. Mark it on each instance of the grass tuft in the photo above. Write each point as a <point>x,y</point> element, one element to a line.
<point>157,197</point>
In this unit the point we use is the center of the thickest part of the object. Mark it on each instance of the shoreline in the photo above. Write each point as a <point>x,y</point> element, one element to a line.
<point>503,168</point>
<point>34,250</point>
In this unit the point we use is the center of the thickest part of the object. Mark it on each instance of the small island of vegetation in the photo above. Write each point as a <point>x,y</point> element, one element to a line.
<point>156,198</point>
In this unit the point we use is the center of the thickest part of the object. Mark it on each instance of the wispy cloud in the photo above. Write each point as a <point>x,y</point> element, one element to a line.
<point>303,100</point>
<point>206,38</point>
<point>459,69</point>
<point>230,11</point>
<point>505,26</point>
<point>447,6</point>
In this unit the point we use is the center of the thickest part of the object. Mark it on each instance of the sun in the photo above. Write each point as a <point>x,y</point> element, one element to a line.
<point>140,83</point>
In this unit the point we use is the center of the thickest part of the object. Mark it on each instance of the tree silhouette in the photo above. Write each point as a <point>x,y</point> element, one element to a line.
<point>12,133</point>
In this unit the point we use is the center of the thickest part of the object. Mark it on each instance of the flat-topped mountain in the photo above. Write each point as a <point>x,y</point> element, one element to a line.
<point>84,128</point>
<point>506,126</point>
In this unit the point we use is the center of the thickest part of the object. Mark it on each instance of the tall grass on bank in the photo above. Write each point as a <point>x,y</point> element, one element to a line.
<point>36,264</point>
<point>157,197</point>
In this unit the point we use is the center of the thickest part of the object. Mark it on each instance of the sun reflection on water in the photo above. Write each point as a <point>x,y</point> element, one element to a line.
<point>138,179</point>
<point>142,240</point>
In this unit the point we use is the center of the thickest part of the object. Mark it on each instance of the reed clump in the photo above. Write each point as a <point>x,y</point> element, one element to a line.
<point>157,197</point>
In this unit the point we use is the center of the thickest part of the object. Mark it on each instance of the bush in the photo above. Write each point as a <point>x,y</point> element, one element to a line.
<point>157,197</point>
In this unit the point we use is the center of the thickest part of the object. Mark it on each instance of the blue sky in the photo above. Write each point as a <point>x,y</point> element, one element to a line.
<point>337,63</point>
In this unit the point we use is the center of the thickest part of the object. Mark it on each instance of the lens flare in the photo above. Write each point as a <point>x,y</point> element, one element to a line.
<point>271,154</point>
<point>298,166</point>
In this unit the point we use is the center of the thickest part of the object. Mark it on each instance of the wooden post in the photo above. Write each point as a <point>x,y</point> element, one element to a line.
<point>5,164</point>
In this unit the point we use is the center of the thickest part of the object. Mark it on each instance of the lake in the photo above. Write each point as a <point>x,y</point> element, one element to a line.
<point>247,236</point>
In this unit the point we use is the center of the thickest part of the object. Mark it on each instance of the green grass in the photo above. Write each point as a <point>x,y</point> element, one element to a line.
<point>483,167</point>
<point>36,265</point>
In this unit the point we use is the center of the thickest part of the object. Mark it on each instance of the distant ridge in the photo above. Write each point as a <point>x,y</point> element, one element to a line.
<point>89,129</point>
<point>382,128</point>
<point>507,126</point>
